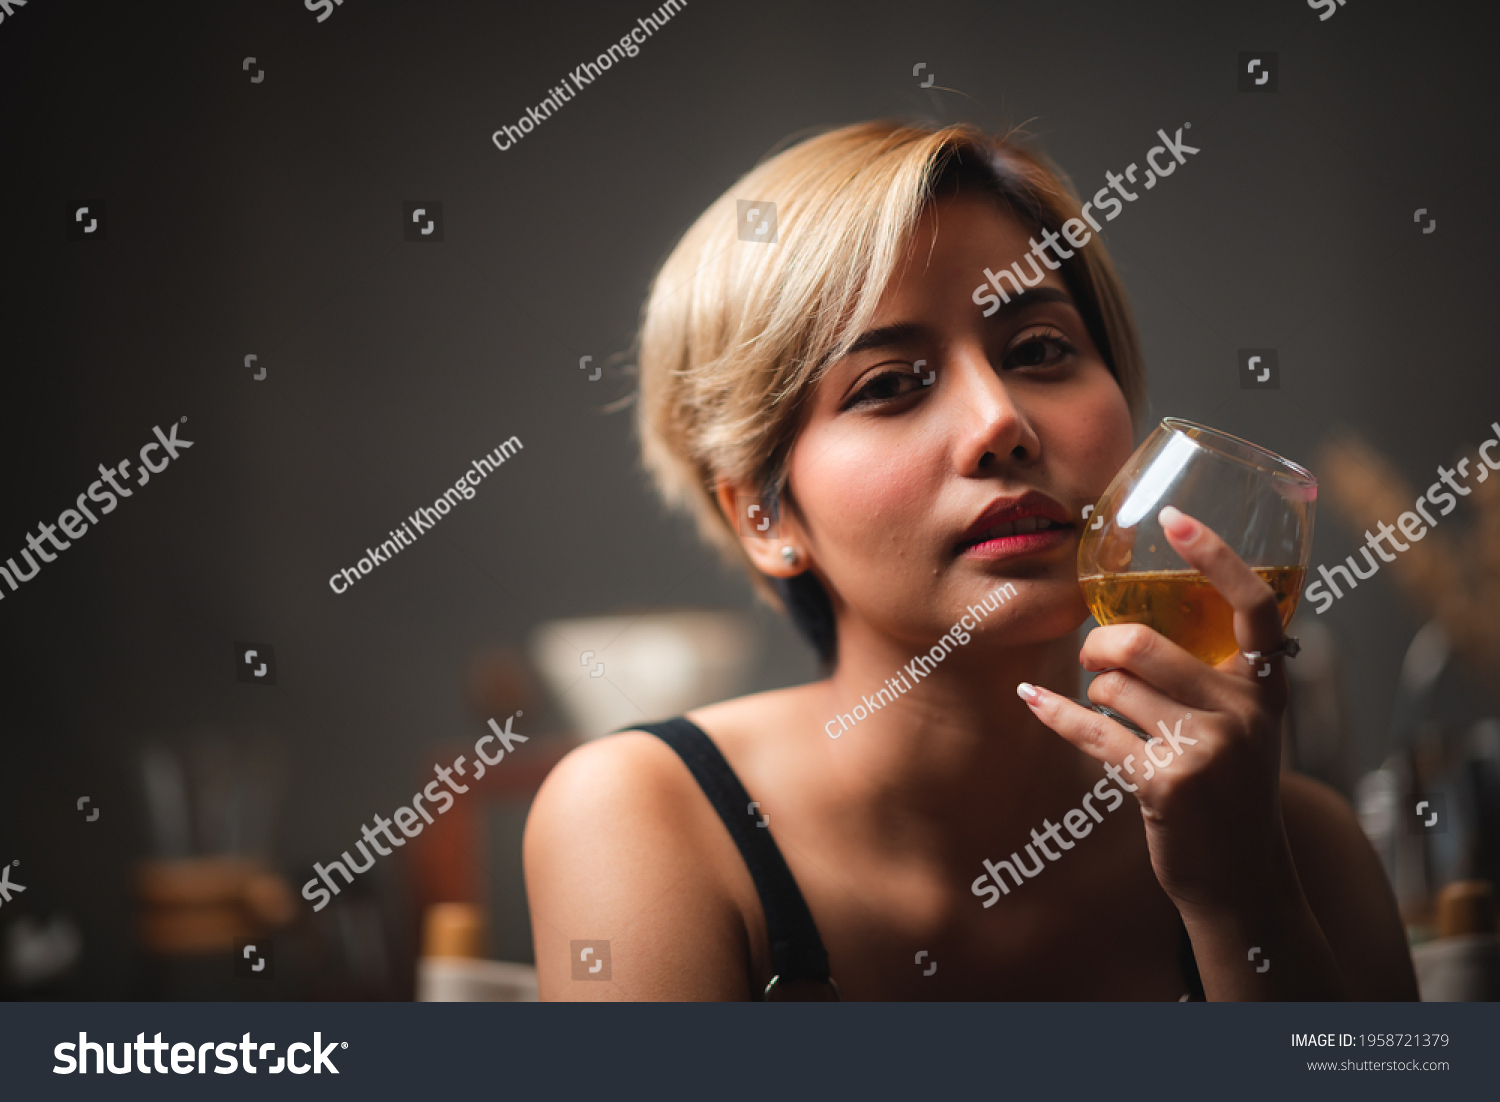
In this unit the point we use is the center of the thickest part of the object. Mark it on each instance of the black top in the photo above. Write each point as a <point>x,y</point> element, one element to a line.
<point>797,952</point>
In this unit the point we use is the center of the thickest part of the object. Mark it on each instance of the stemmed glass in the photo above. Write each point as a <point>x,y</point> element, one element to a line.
<point>1259,503</point>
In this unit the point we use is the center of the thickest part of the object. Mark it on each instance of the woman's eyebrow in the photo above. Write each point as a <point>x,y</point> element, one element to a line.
<point>912,332</point>
<point>1031,298</point>
<point>905,332</point>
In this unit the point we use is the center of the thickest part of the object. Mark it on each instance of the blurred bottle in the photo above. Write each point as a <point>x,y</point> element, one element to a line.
<point>1316,741</point>
<point>452,968</point>
<point>1462,964</point>
<point>454,930</point>
<point>1407,805</point>
<point>1479,786</point>
<point>1386,802</point>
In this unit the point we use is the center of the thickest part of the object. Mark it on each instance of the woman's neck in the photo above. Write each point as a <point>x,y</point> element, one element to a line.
<point>943,735</point>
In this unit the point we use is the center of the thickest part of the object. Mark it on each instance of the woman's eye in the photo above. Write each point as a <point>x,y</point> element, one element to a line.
<point>1044,348</point>
<point>885,387</point>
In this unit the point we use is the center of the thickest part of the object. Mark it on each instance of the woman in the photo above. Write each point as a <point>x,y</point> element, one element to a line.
<point>847,370</point>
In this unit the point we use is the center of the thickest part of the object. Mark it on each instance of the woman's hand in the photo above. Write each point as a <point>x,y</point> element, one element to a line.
<point>1207,781</point>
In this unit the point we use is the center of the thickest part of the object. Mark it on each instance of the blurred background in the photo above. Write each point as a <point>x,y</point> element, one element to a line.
<point>252,170</point>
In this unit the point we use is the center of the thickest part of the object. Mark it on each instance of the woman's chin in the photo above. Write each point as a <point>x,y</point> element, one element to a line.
<point>1034,610</point>
<point>1054,615</point>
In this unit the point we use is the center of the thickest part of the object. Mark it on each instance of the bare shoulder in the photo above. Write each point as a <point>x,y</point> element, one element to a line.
<point>635,773</point>
<point>620,778</point>
<point>1346,887</point>
<point>633,785</point>
<point>622,848</point>
<point>750,727</point>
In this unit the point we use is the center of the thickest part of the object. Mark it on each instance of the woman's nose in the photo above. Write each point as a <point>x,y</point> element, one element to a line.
<point>992,425</point>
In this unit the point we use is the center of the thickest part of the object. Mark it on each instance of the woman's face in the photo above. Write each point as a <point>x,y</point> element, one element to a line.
<point>944,422</point>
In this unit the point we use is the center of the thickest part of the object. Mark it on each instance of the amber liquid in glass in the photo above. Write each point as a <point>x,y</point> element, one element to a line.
<point>1183,606</point>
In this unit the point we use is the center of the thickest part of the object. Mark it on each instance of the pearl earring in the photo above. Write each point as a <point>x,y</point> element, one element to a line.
<point>789,555</point>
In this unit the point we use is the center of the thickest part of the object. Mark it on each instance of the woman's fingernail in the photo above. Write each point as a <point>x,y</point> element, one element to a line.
<point>1178,525</point>
<point>1029,693</point>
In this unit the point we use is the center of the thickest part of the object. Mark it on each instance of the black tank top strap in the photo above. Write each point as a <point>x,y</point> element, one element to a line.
<point>797,952</point>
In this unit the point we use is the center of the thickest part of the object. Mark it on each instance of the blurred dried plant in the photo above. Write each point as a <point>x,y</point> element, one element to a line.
<point>1453,573</point>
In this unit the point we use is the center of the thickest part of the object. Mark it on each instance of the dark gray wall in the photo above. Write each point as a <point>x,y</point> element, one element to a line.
<point>265,218</point>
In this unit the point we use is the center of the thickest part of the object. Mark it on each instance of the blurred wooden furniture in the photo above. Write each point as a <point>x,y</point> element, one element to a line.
<point>447,860</point>
<point>192,905</point>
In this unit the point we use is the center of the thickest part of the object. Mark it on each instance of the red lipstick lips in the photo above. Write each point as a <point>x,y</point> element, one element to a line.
<point>1011,525</point>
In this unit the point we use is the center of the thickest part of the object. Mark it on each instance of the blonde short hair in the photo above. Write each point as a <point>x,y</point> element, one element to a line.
<point>736,334</point>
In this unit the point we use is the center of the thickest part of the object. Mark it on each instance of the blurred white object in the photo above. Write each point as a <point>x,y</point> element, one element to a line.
<point>34,952</point>
<point>612,671</point>
<point>1426,659</point>
<point>167,801</point>
<point>1386,800</point>
<point>463,980</point>
<point>1378,795</point>
<point>1458,969</point>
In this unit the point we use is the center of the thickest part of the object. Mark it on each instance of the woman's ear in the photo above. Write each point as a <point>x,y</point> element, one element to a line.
<point>774,544</point>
